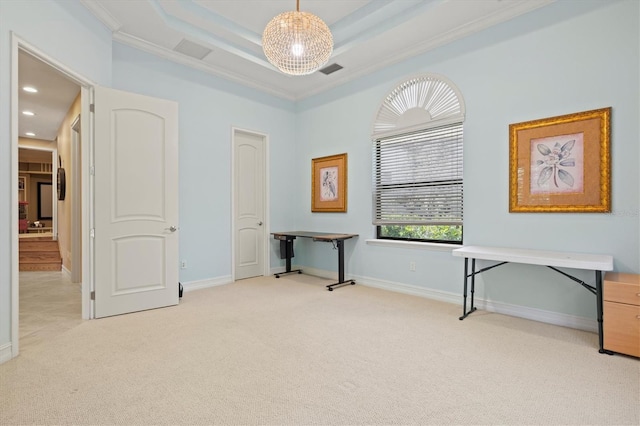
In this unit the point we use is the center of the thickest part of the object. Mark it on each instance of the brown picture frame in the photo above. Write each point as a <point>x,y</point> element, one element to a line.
<point>561,164</point>
<point>329,184</point>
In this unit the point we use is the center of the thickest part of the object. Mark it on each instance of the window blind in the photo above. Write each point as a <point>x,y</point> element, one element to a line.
<point>418,178</point>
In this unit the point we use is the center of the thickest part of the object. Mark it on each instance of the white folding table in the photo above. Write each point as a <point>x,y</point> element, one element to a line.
<point>550,259</point>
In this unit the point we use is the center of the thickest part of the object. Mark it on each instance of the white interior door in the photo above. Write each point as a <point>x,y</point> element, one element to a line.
<point>249,205</point>
<point>136,202</point>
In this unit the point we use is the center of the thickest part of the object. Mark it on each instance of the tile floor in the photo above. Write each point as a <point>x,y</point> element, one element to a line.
<point>50,304</point>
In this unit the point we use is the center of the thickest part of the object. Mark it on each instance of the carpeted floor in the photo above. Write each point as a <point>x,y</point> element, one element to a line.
<point>286,351</point>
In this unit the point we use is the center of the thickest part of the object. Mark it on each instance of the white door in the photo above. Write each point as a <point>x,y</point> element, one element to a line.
<point>136,202</point>
<point>249,192</point>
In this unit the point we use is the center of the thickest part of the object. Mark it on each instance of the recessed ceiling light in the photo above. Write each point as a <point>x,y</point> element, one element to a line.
<point>29,113</point>
<point>30,89</point>
<point>30,134</point>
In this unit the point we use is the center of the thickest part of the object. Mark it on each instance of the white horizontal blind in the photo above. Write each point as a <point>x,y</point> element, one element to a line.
<point>418,178</point>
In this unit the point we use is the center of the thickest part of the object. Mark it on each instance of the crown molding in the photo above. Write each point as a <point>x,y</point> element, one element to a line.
<point>102,14</point>
<point>172,56</point>
<point>433,43</point>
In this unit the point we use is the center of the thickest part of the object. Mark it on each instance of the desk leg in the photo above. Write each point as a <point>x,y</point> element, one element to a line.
<point>288,254</point>
<point>289,251</point>
<point>473,287</point>
<point>341,281</point>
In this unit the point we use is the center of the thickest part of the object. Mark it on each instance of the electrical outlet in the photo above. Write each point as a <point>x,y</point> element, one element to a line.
<point>183,264</point>
<point>412,266</point>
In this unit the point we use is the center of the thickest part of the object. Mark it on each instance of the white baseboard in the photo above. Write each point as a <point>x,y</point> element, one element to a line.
<point>534,314</point>
<point>442,296</point>
<point>66,271</point>
<point>281,270</point>
<point>5,353</point>
<point>307,271</point>
<point>211,282</point>
<point>555,318</point>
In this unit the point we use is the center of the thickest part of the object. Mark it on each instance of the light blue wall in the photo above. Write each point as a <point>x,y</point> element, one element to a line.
<point>69,34</point>
<point>208,109</point>
<point>571,56</point>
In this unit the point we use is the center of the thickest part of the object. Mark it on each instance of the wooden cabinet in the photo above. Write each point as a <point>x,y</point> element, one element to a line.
<point>621,313</point>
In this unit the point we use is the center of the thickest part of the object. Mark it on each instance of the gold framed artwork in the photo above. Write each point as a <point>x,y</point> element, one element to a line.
<point>329,183</point>
<point>561,164</point>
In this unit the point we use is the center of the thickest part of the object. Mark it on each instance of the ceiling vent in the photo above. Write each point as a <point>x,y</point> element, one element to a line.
<point>192,49</point>
<point>331,69</point>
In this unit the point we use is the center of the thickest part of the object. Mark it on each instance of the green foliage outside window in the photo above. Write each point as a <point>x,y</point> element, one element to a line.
<point>440,233</point>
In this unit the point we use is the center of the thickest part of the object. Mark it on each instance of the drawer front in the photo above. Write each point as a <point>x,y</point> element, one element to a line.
<point>622,328</point>
<point>621,292</point>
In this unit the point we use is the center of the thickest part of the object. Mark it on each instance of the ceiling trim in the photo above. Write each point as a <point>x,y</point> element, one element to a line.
<point>376,18</point>
<point>361,26</point>
<point>170,55</point>
<point>102,14</point>
<point>225,23</point>
<point>203,36</point>
<point>428,45</point>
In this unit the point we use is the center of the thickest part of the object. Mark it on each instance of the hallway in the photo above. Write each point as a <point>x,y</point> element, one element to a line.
<point>50,304</point>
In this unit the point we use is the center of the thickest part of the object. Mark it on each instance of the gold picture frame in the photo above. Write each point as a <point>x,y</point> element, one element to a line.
<point>561,164</point>
<point>329,183</point>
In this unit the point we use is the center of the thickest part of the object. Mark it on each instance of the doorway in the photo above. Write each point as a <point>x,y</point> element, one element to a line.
<point>49,100</point>
<point>143,124</point>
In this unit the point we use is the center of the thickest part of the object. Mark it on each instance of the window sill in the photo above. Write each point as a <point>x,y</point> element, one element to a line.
<point>413,245</point>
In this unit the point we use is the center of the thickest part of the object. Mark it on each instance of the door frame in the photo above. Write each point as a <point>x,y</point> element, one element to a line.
<point>266,195</point>
<point>76,200</point>
<point>86,134</point>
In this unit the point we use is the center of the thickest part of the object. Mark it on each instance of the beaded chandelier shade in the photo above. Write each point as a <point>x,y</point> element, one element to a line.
<point>297,43</point>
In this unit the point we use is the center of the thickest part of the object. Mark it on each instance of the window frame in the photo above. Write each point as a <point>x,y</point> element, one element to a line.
<point>437,104</point>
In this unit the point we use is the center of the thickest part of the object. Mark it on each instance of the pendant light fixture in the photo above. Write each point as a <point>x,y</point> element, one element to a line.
<point>297,43</point>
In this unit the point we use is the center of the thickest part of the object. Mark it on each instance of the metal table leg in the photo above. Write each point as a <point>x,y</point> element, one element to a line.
<point>341,281</point>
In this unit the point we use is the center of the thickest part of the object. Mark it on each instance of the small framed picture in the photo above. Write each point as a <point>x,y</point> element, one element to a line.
<point>329,183</point>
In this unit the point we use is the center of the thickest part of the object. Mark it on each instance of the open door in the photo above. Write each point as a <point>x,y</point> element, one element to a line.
<point>136,202</point>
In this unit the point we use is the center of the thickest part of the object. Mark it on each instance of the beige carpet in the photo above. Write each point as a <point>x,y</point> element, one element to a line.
<point>286,351</point>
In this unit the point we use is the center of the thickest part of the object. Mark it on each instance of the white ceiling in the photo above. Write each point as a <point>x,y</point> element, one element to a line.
<point>368,35</point>
<point>55,95</point>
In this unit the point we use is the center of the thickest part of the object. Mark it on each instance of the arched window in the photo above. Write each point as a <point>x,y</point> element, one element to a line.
<point>417,154</point>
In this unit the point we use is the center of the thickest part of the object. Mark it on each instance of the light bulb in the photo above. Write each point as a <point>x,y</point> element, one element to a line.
<point>297,49</point>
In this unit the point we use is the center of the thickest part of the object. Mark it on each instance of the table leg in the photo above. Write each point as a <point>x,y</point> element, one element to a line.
<point>473,284</point>
<point>288,250</point>
<point>340,244</point>
<point>472,308</point>
<point>288,254</point>
<point>599,309</point>
<point>464,291</point>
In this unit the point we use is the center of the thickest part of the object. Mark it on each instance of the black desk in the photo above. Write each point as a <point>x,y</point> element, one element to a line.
<point>286,240</point>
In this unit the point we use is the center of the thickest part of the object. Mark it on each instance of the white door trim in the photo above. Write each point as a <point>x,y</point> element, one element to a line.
<point>18,43</point>
<point>266,205</point>
<point>76,201</point>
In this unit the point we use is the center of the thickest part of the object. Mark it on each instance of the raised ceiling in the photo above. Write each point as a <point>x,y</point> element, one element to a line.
<point>224,37</point>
